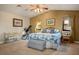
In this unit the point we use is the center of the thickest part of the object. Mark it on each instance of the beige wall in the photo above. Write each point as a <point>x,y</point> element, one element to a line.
<point>57,15</point>
<point>6,23</point>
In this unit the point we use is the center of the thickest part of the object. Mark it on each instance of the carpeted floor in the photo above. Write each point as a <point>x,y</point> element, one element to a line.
<point>20,48</point>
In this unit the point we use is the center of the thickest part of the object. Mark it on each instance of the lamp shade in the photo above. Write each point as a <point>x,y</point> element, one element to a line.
<point>38,25</point>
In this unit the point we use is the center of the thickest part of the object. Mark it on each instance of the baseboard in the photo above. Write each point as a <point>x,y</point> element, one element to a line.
<point>76,41</point>
<point>1,42</point>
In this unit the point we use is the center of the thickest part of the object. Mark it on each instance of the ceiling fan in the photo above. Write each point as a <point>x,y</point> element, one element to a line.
<point>34,7</point>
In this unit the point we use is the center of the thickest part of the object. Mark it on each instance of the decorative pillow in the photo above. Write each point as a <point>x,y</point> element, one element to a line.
<point>56,30</point>
<point>44,31</point>
<point>48,30</point>
<point>52,31</point>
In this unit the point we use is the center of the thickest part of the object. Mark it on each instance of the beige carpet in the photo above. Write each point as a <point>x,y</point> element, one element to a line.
<point>20,48</point>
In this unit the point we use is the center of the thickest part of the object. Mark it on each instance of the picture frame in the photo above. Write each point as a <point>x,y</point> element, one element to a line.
<point>17,22</point>
<point>50,22</point>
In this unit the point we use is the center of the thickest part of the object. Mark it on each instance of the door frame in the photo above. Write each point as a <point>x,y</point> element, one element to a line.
<point>75,18</point>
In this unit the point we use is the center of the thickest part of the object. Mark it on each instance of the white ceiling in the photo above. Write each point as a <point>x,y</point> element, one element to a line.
<point>13,9</point>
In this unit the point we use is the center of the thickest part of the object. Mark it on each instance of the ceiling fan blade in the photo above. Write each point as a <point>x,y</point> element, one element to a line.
<point>32,7</point>
<point>45,8</point>
<point>26,9</point>
<point>18,6</point>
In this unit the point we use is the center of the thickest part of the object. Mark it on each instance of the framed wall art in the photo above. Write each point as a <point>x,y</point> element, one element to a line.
<point>17,22</point>
<point>51,21</point>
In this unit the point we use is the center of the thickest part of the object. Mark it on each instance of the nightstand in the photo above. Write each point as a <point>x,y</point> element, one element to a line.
<point>66,36</point>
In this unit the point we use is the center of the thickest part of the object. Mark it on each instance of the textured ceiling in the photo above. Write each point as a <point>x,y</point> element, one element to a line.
<point>13,9</point>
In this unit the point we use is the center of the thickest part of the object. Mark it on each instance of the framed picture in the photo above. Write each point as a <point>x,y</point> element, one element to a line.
<point>17,22</point>
<point>51,21</point>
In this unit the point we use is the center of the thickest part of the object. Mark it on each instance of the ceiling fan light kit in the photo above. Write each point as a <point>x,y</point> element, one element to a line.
<point>38,8</point>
